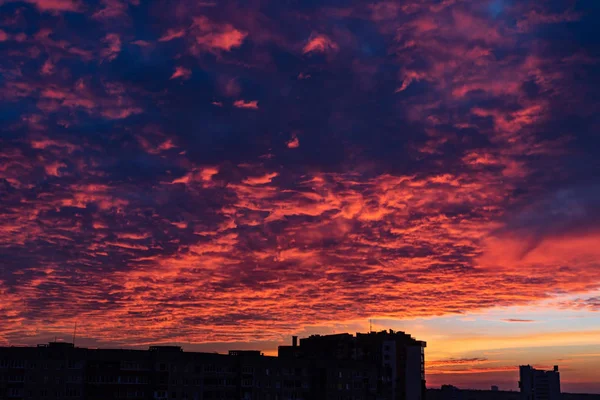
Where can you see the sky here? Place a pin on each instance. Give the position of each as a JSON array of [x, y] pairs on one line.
[[227, 174]]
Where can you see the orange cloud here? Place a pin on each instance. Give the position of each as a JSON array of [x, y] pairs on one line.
[[261, 180], [253, 104], [215, 37], [181, 72], [172, 34], [202, 175], [53, 168], [319, 43], [293, 143]]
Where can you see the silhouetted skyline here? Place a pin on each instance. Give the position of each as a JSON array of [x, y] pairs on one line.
[[228, 173], [384, 365]]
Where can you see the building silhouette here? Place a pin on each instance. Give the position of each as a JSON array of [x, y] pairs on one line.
[[537, 384], [374, 366], [398, 358], [450, 392]]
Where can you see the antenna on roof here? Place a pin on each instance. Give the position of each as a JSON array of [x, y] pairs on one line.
[[370, 325], [74, 333]]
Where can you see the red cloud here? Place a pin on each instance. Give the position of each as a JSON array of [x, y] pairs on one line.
[[56, 5], [246, 104], [215, 37], [319, 43], [47, 68], [114, 9], [538, 17], [113, 103], [172, 34], [113, 46], [293, 143], [203, 176], [53, 168], [261, 180], [181, 72]]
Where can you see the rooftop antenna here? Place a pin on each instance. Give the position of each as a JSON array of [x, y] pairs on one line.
[[370, 325], [74, 334]]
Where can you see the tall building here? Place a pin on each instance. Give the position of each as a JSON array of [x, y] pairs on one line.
[[537, 384], [398, 358]]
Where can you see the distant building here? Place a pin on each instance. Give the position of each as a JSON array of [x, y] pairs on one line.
[[449, 392], [398, 359], [537, 384]]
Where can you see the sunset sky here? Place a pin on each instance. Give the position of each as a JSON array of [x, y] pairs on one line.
[[225, 174]]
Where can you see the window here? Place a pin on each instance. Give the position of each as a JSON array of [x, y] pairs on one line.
[[247, 382], [209, 368], [16, 378], [130, 366], [74, 365], [17, 364], [247, 370], [15, 392]]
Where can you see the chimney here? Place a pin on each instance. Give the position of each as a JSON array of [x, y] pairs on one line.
[[556, 368], [295, 341]]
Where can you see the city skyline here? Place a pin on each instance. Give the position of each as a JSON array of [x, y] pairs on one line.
[[439, 372], [231, 173]]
